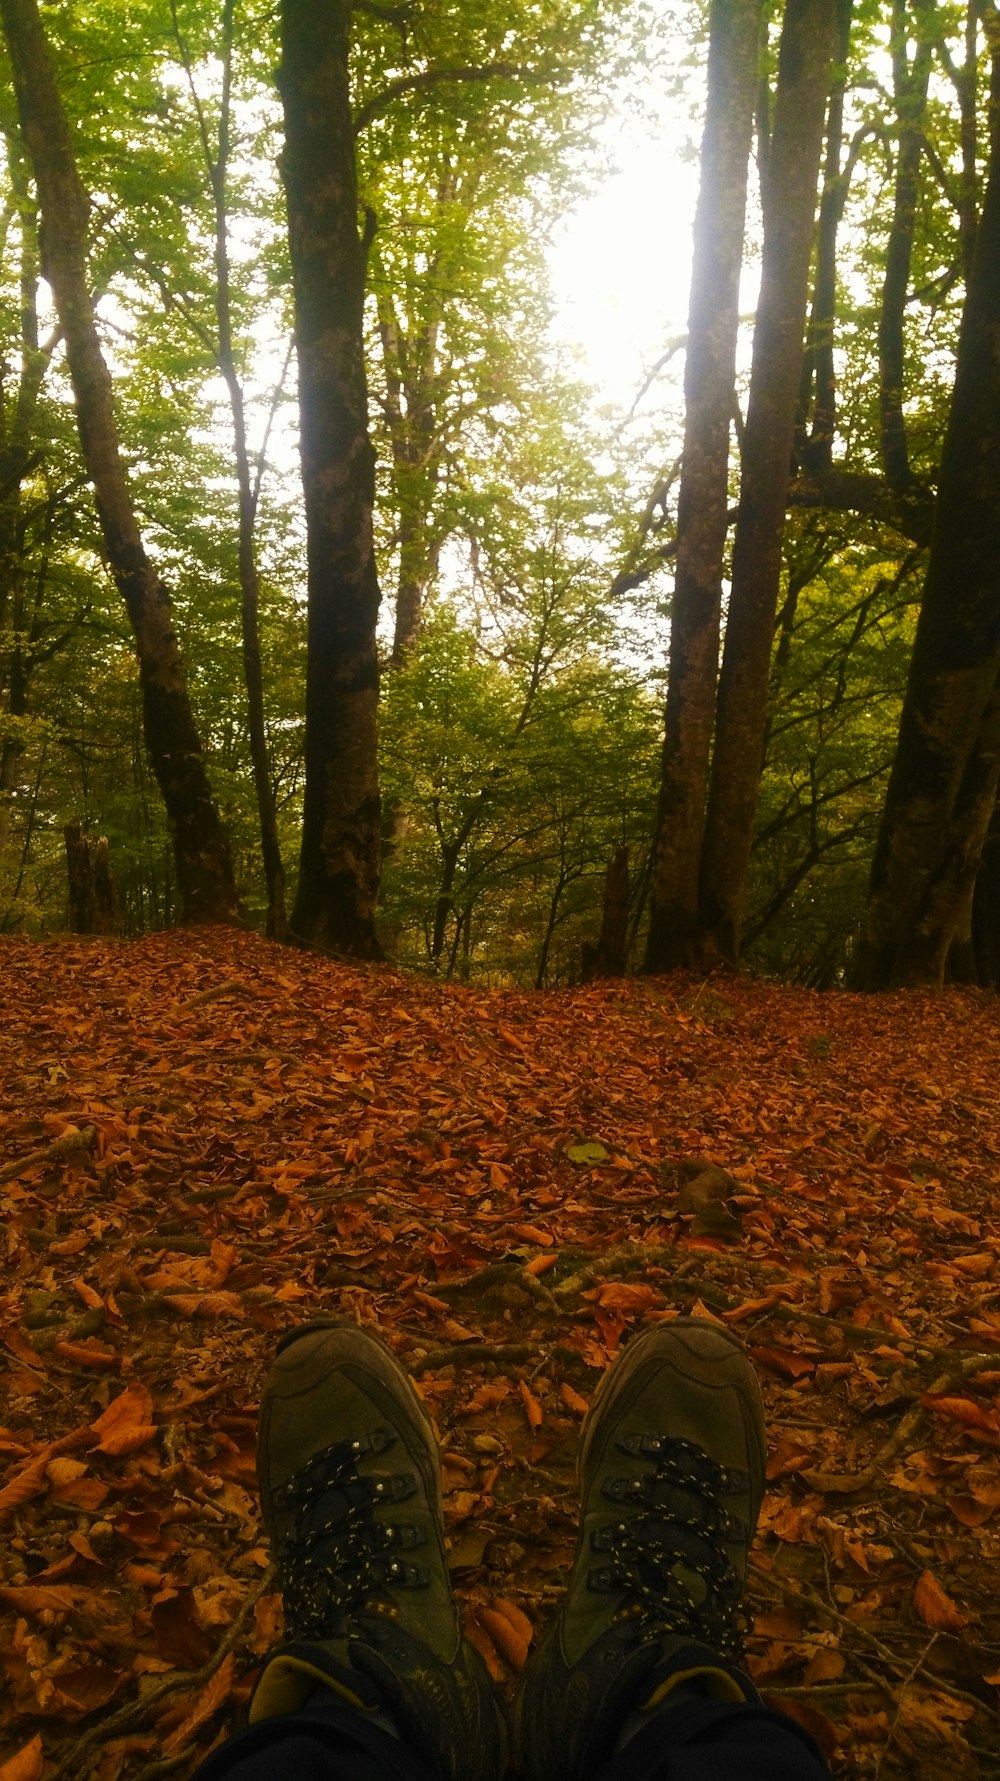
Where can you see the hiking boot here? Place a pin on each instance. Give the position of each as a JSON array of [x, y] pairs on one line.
[[671, 1475], [350, 1491]]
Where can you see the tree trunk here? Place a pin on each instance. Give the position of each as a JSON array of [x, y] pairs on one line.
[[339, 865], [704, 492], [943, 782], [204, 865], [249, 496], [985, 924], [789, 212], [819, 380], [609, 957], [910, 81]]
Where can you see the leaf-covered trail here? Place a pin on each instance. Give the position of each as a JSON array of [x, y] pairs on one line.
[[204, 1139]]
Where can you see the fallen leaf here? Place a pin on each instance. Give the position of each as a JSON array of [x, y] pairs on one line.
[[26, 1764], [935, 1606], [532, 1408], [126, 1424]]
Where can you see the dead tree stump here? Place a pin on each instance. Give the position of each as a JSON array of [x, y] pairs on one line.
[[93, 899]]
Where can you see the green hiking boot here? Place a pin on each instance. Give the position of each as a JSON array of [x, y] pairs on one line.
[[671, 1477], [351, 1497]]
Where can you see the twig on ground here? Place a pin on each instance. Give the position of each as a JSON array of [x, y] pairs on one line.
[[232, 987], [844, 1483], [67, 1145], [135, 1712], [901, 1696]]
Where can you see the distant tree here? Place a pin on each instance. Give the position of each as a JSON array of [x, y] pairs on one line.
[[204, 865]]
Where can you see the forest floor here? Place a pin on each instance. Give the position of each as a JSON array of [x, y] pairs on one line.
[[205, 1139]]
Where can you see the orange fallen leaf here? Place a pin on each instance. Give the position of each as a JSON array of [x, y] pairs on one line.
[[540, 1264], [26, 1764], [429, 1302], [480, 1639], [571, 1400], [532, 1408], [532, 1233], [964, 1410], [617, 1295], [213, 1696], [88, 1354], [91, 1299], [508, 1638], [784, 1361], [126, 1424], [935, 1606]]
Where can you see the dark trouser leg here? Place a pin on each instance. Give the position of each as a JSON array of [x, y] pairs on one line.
[[325, 1741], [717, 1741]]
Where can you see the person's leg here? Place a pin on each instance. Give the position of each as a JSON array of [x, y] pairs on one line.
[[374, 1681], [639, 1677]]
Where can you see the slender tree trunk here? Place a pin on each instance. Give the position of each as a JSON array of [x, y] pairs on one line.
[[985, 921], [339, 865], [943, 782], [610, 955], [910, 81], [248, 487], [819, 372], [789, 212], [674, 935], [204, 865]]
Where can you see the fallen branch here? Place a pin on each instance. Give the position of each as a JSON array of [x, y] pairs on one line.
[[77, 1138], [232, 987], [629, 1255], [844, 1483], [503, 1274]]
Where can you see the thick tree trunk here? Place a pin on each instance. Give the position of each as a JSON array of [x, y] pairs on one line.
[[339, 866], [674, 937], [910, 82], [943, 781], [789, 212], [204, 866]]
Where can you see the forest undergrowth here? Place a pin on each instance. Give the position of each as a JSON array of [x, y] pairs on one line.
[[205, 1139]]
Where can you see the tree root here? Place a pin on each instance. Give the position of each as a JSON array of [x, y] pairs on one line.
[[136, 1713], [845, 1483]]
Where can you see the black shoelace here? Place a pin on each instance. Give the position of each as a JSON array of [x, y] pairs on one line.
[[334, 1561], [680, 1535]]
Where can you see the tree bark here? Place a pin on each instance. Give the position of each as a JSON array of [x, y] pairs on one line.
[[339, 864], [248, 487], [93, 899], [674, 935], [943, 783], [608, 958], [985, 922], [819, 373], [789, 212], [910, 82], [204, 865]]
